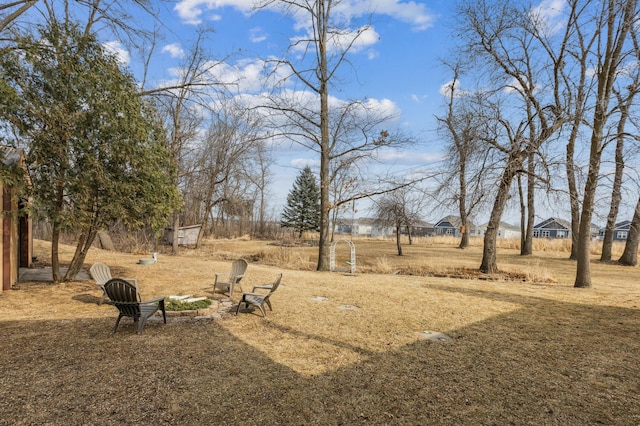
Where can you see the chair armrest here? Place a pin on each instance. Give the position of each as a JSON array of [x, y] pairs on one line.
[[154, 300], [220, 274], [254, 294], [264, 287]]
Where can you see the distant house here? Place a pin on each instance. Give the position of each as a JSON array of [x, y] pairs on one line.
[[552, 228], [620, 231], [421, 228], [364, 227], [344, 226], [505, 230], [16, 243], [451, 225]]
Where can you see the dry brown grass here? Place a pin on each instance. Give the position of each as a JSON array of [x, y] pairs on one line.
[[521, 352]]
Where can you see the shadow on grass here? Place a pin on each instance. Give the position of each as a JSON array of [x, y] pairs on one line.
[[87, 298]]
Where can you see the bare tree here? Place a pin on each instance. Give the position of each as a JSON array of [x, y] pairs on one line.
[[579, 90], [395, 209], [344, 183], [260, 175], [617, 21], [502, 37], [468, 160], [623, 108], [349, 129], [220, 163]]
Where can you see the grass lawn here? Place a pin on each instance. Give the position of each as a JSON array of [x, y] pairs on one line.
[[535, 352]]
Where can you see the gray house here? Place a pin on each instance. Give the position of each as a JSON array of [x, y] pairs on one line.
[[420, 228], [620, 231], [552, 228], [451, 225]]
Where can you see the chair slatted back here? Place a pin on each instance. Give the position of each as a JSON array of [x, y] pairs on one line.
[[276, 283], [124, 296], [238, 269], [274, 287], [100, 273]]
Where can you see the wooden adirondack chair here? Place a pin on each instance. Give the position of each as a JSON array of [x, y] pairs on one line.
[[126, 298], [238, 269], [259, 299]]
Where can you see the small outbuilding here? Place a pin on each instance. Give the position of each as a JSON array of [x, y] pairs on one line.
[[187, 235], [505, 230]]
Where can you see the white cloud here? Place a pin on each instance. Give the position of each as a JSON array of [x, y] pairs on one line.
[[174, 49], [411, 12], [407, 157], [549, 15], [116, 49], [384, 107], [248, 75], [256, 35], [514, 86], [192, 11], [445, 89], [359, 39], [628, 69], [549, 9], [414, 13], [301, 163]]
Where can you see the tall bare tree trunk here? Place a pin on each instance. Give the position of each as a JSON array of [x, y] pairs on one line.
[[616, 191], [175, 244], [55, 260], [462, 204], [325, 148], [523, 217], [398, 241], [574, 200], [527, 246], [630, 255], [489, 256], [583, 273]]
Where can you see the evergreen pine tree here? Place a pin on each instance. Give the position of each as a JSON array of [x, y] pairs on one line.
[[302, 211]]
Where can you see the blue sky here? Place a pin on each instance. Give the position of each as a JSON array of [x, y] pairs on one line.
[[397, 65]]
